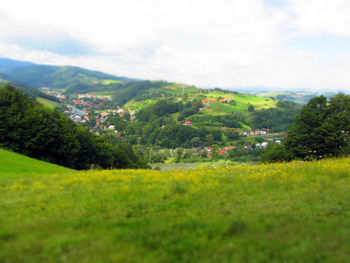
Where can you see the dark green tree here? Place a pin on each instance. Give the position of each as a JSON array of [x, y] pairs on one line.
[[209, 140], [251, 108], [320, 129]]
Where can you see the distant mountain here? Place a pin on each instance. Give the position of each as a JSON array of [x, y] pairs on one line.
[[300, 97], [3, 78], [56, 77], [7, 64]]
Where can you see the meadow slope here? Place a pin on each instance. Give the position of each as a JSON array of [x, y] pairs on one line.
[[294, 212], [14, 165]]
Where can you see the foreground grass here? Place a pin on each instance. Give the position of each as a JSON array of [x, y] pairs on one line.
[[296, 212]]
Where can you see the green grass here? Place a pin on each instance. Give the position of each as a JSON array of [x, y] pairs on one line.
[[295, 212], [138, 105], [47, 103], [110, 81], [14, 165]]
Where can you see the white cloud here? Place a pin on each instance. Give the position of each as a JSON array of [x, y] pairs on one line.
[[228, 43], [322, 16]]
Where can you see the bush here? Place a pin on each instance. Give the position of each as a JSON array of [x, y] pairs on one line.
[[276, 153]]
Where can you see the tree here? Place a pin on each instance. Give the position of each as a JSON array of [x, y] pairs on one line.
[[204, 153], [195, 141], [320, 130], [215, 152], [178, 154], [251, 108], [232, 135], [209, 140], [276, 153], [259, 139]]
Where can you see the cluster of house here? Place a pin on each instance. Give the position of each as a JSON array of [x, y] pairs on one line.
[[207, 102], [209, 150], [263, 131], [227, 149], [79, 109], [53, 93], [228, 99], [89, 100], [77, 115], [81, 116], [94, 97]]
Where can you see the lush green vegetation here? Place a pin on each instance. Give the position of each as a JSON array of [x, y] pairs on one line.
[[28, 127], [276, 119], [162, 123], [321, 130], [162, 109], [295, 212]]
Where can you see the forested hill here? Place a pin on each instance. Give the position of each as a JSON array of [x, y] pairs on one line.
[[56, 77]]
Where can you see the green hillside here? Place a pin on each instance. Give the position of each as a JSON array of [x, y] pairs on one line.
[[56, 77], [294, 212], [14, 165], [48, 103], [233, 101]]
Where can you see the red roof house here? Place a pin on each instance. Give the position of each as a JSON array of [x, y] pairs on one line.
[[229, 148]]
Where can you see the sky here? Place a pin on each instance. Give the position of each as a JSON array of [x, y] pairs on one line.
[[278, 44]]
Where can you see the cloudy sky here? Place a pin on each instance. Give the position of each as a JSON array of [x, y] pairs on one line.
[[289, 44]]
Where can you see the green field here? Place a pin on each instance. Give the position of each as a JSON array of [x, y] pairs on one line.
[[14, 165], [294, 212], [47, 103], [110, 81]]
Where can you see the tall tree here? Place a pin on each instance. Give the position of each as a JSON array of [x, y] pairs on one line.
[[319, 130]]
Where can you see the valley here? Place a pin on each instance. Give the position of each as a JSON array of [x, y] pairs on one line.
[[174, 131]]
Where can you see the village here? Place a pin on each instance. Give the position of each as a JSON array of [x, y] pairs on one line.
[[96, 111]]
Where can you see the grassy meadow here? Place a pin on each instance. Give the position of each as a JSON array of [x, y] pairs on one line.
[[294, 212], [47, 103], [15, 166]]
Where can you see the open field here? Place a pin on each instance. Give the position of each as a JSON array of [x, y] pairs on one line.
[[110, 81], [14, 165], [295, 212], [138, 105], [48, 103]]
